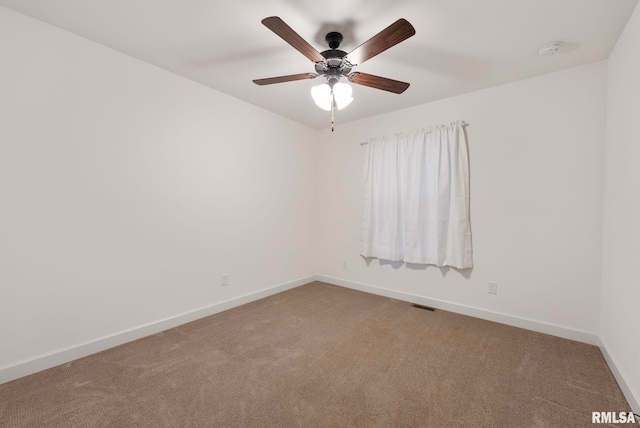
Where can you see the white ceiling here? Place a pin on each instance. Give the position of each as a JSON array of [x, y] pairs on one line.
[[460, 45]]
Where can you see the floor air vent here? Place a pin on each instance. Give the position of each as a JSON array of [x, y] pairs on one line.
[[428, 308]]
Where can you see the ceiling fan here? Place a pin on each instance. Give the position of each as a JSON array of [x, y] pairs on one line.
[[334, 63]]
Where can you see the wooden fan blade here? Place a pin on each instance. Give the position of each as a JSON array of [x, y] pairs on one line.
[[287, 34], [282, 79], [395, 86], [385, 39]]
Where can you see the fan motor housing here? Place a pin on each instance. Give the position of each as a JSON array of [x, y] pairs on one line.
[[333, 54], [334, 63]]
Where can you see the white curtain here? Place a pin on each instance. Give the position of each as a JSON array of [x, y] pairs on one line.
[[416, 198]]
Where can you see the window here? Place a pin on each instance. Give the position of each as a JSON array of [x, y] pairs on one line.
[[416, 198]]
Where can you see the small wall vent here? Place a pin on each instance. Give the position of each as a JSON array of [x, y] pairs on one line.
[[426, 308]]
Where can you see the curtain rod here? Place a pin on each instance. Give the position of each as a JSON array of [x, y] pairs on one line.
[[428, 129]]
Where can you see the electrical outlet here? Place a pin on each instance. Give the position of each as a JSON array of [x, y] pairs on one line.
[[493, 287], [344, 264], [225, 279]]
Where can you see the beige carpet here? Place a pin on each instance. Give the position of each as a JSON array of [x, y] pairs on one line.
[[324, 356]]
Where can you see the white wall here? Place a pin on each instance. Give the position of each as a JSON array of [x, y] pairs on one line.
[[536, 151], [620, 299], [126, 191]]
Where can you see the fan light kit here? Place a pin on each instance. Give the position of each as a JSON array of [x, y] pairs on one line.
[[327, 97], [335, 64]]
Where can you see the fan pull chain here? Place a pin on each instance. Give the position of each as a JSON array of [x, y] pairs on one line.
[[333, 103]]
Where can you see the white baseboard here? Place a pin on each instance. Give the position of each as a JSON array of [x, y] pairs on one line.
[[539, 326], [61, 356], [623, 381]]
